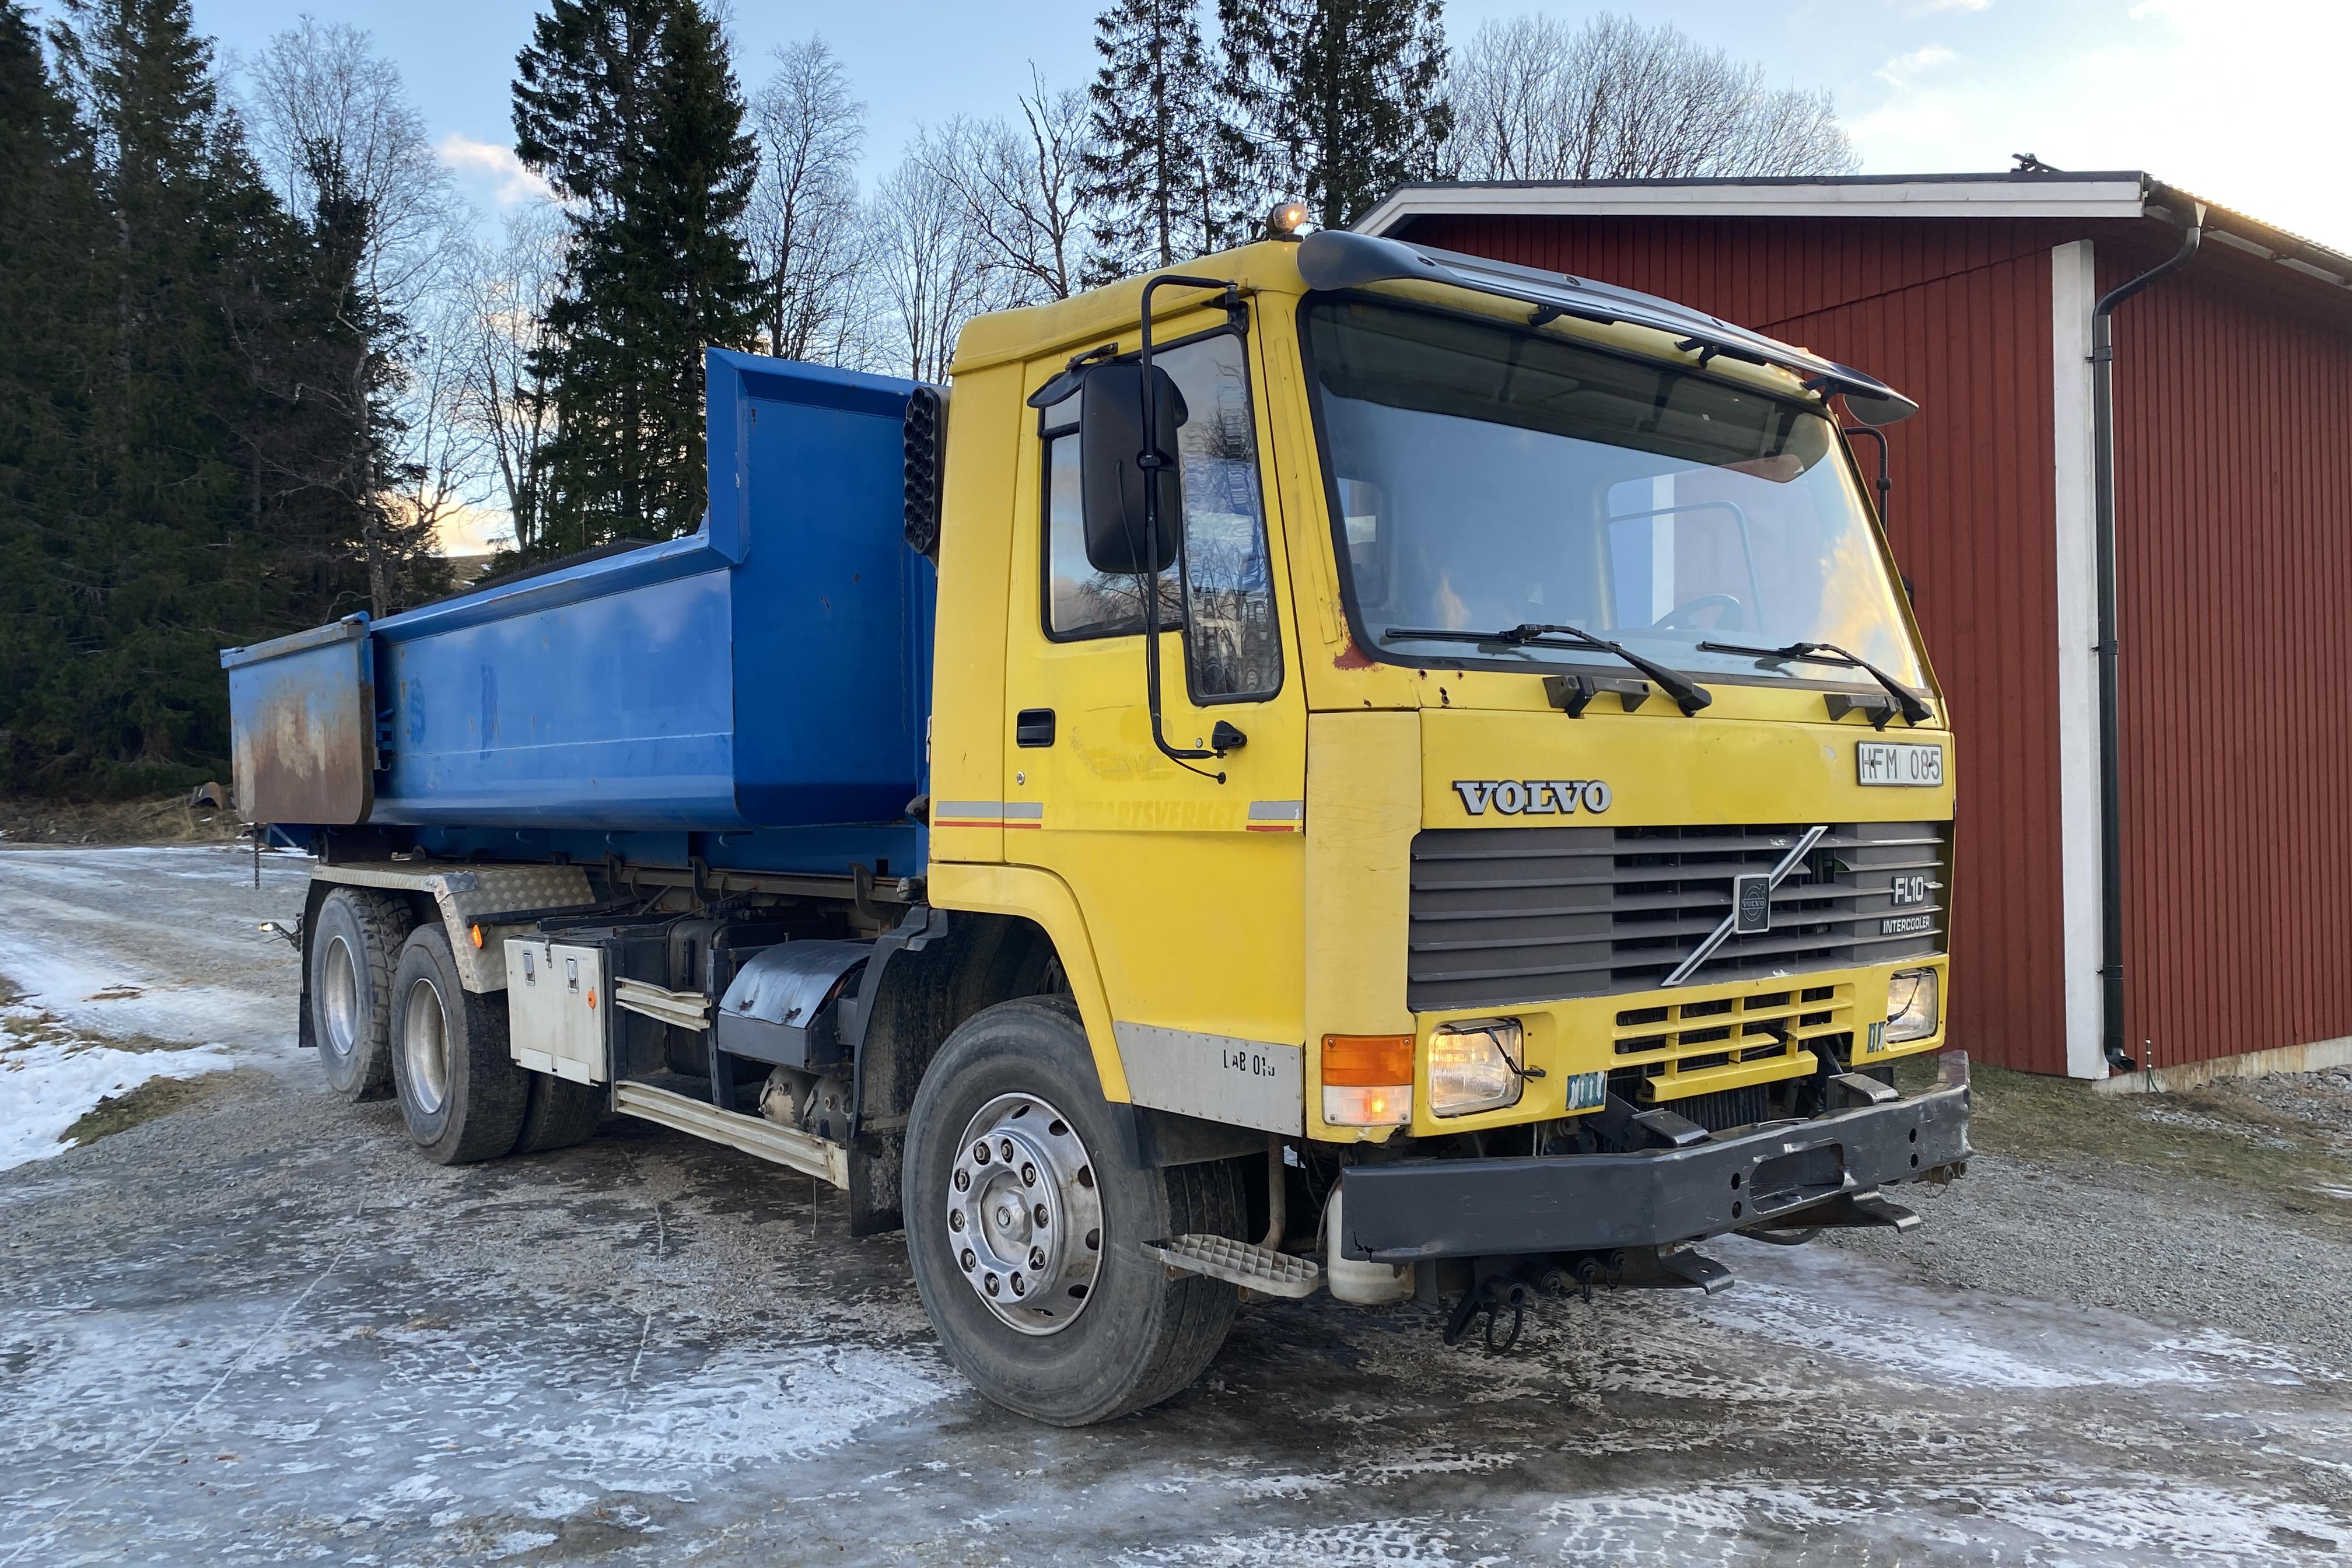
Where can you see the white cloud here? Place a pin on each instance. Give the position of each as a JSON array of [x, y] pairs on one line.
[[474, 531], [2231, 99], [1958, 5], [488, 160], [1904, 69]]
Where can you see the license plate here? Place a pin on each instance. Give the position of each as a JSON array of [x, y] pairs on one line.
[[1887, 762]]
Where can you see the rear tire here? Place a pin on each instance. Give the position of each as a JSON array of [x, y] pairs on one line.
[[558, 1114], [354, 947], [1139, 1335], [459, 1089]]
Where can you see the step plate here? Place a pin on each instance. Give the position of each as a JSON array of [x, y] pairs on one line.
[[752, 1134], [1239, 1263]]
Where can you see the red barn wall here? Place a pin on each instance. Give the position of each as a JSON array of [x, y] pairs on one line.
[[2234, 506], [1956, 314]]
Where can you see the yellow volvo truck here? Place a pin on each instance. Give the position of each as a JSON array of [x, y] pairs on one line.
[[1425, 783]]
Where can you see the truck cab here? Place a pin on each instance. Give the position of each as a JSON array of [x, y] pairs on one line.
[[1430, 785]]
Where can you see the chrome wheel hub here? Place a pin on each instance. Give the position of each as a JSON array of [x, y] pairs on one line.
[[425, 1042], [340, 996], [1024, 1216]]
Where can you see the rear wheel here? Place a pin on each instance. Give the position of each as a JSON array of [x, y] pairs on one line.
[[558, 1113], [355, 946], [459, 1089], [1025, 1220]]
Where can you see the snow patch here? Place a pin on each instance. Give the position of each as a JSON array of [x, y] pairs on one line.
[[47, 1086]]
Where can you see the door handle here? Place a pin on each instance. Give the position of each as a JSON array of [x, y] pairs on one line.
[[1034, 727]]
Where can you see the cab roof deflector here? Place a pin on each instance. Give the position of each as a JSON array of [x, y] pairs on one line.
[[1337, 258]]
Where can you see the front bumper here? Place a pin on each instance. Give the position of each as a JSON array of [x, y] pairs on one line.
[[1418, 1209]]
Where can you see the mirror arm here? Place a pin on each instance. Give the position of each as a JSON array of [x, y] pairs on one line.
[[1151, 462]]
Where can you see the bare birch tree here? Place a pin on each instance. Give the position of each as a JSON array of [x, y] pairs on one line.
[[335, 132], [501, 399], [1535, 98], [803, 226], [931, 272], [1023, 187]]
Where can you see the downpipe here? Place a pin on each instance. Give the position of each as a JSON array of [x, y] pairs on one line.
[[2103, 461]]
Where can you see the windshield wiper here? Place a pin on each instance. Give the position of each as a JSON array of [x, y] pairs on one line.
[[1688, 694], [1914, 706]]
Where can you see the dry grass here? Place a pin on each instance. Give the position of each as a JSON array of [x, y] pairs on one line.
[[2215, 1132], [168, 819], [156, 1097]]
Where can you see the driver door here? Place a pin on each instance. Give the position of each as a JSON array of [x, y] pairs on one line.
[[1190, 887]]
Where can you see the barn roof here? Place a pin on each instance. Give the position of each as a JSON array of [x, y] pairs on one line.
[[2126, 194]]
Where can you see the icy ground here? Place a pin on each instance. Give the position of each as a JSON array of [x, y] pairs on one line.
[[156, 950], [260, 1329]]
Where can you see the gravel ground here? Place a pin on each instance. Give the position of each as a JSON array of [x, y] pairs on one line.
[[260, 1329]]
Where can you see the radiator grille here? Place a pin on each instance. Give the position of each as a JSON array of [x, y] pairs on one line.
[[1681, 1049], [1536, 914]]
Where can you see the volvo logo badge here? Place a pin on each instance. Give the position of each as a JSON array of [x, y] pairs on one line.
[[1532, 797]]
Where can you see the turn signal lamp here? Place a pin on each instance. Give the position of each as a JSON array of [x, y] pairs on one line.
[[1367, 1080], [475, 933], [1474, 1065], [1912, 1011]]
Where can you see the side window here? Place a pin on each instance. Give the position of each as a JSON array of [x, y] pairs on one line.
[[1081, 602], [1229, 631], [1221, 590]]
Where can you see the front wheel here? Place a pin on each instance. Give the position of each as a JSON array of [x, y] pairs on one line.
[[1026, 1223]]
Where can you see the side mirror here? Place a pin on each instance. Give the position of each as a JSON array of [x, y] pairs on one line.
[[1111, 440]]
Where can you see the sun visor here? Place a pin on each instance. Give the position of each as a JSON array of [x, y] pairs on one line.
[[1338, 258]]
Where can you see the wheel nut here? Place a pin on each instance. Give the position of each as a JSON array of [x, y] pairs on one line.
[[1036, 1257], [1005, 1216], [980, 1152], [1005, 1147], [964, 1181], [989, 1284], [1039, 1214], [1028, 1174], [1020, 1286], [969, 1262], [955, 1219]]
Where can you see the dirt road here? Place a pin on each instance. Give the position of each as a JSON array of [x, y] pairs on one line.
[[260, 1329]]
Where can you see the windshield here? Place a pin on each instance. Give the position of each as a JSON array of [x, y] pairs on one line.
[[1487, 476]]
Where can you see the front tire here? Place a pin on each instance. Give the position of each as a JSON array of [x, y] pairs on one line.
[[459, 1089], [355, 946], [1114, 1332]]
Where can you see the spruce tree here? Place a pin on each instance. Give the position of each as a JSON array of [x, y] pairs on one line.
[[49, 234], [1334, 103], [631, 110], [185, 524], [1153, 172]]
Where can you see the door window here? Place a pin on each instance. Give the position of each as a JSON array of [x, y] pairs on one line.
[[1221, 589]]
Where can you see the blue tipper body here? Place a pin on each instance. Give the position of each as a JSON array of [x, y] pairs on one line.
[[754, 694]]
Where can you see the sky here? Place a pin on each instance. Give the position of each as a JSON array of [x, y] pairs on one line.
[[2237, 101]]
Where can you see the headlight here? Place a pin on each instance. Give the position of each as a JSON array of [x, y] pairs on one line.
[[1474, 1065], [1911, 1010]]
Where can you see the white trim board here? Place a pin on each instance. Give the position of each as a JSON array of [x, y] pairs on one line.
[[2072, 292], [1925, 198]]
